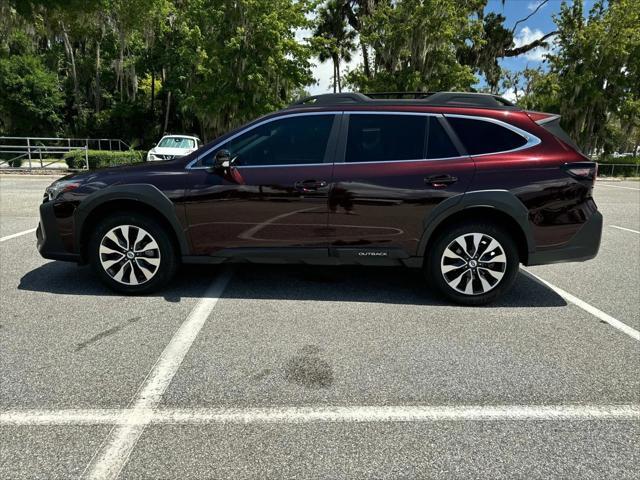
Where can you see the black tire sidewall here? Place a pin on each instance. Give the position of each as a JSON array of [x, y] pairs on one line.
[[434, 274], [168, 259]]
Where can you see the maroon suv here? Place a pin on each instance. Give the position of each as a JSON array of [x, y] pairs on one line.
[[465, 186]]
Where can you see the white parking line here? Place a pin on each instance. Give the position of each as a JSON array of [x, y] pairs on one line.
[[19, 234], [115, 451], [615, 323], [599, 184], [625, 229], [325, 414]]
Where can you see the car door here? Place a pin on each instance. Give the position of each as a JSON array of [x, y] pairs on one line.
[[273, 197], [391, 171]]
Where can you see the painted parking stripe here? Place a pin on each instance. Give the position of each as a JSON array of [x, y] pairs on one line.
[[325, 414], [599, 184], [115, 451], [625, 229], [615, 323], [19, 234]]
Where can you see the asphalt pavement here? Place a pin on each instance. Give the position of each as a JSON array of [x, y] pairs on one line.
[[264, 371]]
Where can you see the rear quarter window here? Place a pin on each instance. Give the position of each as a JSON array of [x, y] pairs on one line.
[[481, 137]]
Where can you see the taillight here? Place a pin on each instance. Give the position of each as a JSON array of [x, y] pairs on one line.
[[582, 170]]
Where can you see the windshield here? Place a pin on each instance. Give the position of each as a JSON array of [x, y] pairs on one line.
[[176, 142]]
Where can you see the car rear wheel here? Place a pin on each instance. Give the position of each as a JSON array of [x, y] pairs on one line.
[[132, 254], [473, 263]]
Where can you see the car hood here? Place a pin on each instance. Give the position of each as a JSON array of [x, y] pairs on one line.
[[103, 177], [171, 151]]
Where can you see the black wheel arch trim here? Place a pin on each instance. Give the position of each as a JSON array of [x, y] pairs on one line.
[[501, 200], [144, 193]]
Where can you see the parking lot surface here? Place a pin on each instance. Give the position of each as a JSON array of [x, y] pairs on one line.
[[258, 371]]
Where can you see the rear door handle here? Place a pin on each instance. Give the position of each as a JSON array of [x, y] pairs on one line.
[[309, 185], [438, 181]]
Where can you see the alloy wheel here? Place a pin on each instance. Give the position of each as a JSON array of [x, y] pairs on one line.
[[473, 263], [129, 254]]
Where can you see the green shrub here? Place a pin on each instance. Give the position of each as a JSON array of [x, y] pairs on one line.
[[5, 160], [103, 158], [619, 160], [619, 167]]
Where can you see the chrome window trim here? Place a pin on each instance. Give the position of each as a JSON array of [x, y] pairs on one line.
[[259, 124], [390, 112], [283, 165], [531, 140], [404, 161]]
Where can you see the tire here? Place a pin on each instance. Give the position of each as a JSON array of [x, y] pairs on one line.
[[144, 268], [457, 263]]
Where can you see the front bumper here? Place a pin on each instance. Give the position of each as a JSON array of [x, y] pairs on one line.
[[583, 246], [50, 244]]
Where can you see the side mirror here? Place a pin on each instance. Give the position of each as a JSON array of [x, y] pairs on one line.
[[221, 161]]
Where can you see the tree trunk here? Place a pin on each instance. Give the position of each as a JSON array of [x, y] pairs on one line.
[[166, 114], [134, 82], [365, 60], [72, 59], [120, 72], [163, 106], [153, 94], [335, 78], [338, 74], [98, 89]]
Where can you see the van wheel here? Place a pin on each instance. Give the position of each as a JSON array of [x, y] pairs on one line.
[[132, 254], [473, 263]]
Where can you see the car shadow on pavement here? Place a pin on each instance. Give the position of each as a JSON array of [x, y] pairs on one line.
[[69, 279], [391, 285]]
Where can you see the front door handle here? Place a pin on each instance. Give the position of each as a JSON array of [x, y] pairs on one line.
[[439, 181], [309, 185]]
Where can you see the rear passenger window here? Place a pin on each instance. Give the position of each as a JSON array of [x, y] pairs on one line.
[[439, 145], [480, 137], [383, 138]]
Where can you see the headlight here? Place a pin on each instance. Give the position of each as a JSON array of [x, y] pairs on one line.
[[57, 188]]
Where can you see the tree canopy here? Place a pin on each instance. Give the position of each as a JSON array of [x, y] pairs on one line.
[[134, 69]]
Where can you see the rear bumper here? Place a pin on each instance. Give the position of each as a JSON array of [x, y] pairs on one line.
[[50, 243], [583, 246]]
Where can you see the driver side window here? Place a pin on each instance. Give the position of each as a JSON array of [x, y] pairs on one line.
[[295, 140]]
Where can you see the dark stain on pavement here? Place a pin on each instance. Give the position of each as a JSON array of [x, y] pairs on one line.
[[308, 370], [262, 374], [106, 333]]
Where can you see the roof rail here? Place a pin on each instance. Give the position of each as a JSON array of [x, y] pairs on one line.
[[414, 95], [332, 98], [457, 99]]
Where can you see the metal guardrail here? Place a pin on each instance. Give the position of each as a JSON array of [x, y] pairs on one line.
[[621, 169], [32, 151], [38, 151]]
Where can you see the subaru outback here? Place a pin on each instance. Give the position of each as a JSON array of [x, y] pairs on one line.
[[464, 186]]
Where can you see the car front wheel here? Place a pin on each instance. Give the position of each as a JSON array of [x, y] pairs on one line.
[[473, 263], [132, 254]]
